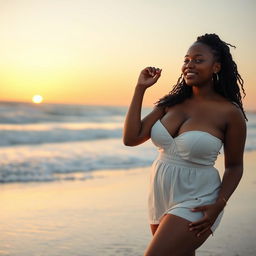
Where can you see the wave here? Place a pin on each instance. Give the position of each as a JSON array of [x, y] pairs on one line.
[[51, 162], [20, 135], [25, 113], [53, 142]]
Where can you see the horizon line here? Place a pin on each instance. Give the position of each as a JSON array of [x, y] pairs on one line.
[[84, 104]]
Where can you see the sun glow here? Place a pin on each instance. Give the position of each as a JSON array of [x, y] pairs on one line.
[[37, 99]]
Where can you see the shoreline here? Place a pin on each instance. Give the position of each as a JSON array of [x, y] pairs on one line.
[[107, 215]]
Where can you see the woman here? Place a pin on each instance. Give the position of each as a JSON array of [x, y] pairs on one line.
[[189, 126]]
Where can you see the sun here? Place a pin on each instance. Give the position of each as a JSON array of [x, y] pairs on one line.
[[37, 99]]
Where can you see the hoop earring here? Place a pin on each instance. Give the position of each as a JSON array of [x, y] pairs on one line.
[[217, 77]]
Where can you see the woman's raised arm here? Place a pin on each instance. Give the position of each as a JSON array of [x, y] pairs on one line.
[[137, 131]]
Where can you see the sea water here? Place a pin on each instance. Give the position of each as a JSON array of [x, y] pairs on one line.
[[104, 216], [49, 142]]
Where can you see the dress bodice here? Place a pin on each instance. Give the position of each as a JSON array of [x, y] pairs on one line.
[[192, 146]]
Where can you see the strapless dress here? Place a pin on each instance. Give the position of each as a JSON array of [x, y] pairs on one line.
[[183, 176]]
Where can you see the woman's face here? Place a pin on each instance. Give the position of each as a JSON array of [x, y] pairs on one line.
[[199, 65]]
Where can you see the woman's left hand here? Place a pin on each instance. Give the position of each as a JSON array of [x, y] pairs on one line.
[[211, 212]]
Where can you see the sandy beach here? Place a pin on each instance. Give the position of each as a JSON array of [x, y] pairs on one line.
[[107, 215]]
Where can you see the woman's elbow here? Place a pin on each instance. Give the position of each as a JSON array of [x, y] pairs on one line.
[[134, 140], [128, 142]]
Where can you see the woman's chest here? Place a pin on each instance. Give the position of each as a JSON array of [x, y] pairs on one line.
[[206, 119]]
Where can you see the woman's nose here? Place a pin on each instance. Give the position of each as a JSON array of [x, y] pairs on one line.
[[190, 63]]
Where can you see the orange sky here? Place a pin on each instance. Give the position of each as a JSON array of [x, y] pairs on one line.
[[91, 52]]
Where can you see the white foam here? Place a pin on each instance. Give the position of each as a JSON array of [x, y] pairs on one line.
[[49, 162]]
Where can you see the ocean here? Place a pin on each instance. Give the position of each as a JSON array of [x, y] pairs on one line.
[[52, 142]]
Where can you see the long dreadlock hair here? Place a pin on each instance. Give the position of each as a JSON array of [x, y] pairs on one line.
[[229, 82]]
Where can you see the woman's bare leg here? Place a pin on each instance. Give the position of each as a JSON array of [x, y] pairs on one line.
[[153, 230], [173, 238]]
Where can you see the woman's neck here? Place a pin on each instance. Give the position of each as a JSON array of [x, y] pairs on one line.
[[203, 92]]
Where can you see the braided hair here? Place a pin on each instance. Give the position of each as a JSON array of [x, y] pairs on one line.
[[229, 82]]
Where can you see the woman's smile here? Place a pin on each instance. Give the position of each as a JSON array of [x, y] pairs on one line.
[[190, 74]]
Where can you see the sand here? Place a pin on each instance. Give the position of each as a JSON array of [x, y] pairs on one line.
[[107, 215]]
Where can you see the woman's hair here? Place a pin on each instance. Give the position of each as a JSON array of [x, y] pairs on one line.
[[228, 84]]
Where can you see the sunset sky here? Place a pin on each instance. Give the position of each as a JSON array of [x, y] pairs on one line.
[[91, 52]]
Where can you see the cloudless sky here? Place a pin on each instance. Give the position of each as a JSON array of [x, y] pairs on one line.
[[91, 52]]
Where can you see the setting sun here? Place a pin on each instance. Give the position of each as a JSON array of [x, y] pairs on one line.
[[37, 99]]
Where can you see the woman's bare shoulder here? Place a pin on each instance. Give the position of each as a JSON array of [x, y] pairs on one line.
[[175, 108], [232, 110], [234, 116]]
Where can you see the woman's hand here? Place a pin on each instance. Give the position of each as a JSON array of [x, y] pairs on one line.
[[211, 212], [148, 77]]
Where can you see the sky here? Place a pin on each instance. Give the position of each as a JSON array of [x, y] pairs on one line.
[[91, 52]]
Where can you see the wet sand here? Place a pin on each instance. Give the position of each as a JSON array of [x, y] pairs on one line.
[[107, 215]]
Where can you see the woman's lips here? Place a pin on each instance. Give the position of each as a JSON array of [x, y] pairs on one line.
[[190, 75]]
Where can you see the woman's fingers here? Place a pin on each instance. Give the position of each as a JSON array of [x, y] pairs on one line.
[[158, 70], [200, 226], [199, 222], [203, 231], [153, 71], [149, 76], [199, 208]]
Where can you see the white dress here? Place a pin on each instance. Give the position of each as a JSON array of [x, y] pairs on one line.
[[183, 175]]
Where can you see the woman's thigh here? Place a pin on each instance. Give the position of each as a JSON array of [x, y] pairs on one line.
[[173, 238]]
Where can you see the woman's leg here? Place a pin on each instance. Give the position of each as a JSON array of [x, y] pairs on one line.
[[153, 230], [173, 238]]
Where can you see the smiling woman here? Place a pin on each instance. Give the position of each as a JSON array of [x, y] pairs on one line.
[[189, 126]]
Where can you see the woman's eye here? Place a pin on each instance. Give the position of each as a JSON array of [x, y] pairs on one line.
[[197, 61]]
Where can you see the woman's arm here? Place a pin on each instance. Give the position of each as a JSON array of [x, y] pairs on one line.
[[136, 131], [235, 136]]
